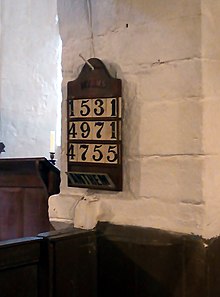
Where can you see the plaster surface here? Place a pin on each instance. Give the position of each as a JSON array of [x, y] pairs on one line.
[[152, 52], [30, 76], [167, 55]]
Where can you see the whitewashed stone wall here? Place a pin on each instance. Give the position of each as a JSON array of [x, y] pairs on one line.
[[30, 76], [211, 115], [167, 55]]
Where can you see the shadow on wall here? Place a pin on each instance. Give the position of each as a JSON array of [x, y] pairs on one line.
[[130, 131]]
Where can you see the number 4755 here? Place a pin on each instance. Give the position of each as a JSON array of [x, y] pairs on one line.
[[93, 153]]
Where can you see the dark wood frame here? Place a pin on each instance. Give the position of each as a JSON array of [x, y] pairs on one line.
[[92, 84]]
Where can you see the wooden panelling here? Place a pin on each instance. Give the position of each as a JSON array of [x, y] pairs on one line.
[[19, 268], [145, 262], [71, 263], [213, 268], [110, 261]]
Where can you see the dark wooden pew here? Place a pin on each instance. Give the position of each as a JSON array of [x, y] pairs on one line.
[[20, 267], [25, 185]]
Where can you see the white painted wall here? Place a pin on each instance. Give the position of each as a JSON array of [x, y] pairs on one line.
[[157, 56], [30, 76], [167, 55], [211, 115]]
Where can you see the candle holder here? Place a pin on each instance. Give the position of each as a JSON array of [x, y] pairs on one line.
[[52, 160], [2, 147]]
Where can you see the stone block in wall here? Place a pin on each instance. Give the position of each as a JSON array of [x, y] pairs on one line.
[[105, 22], [132, 172], [210, 29], [162, 128], [159, 9], [168, 40], [138, 12], [172, 179], [172, 81], [211, 125], [211, 74], [152, 212], [63, 208], [170, 128], [211, 193], [131, 118]]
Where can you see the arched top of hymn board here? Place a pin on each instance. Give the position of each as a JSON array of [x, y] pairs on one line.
[[93, 81]]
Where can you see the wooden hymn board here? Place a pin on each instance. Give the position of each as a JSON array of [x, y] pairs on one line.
[[94, 151]]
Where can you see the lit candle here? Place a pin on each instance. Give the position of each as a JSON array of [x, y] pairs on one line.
[[52, 141]]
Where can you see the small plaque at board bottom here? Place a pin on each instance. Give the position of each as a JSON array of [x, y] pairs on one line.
[[88, 179]]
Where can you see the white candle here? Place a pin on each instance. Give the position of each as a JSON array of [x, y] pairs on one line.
[[52, 141]]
